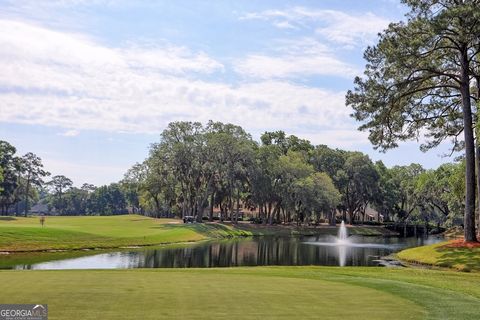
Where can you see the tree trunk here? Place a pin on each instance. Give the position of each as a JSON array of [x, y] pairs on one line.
[[26, 196], [350, 216], [237, 211], [469, 217], [477, 147], [331, 220], [212, 201], [477, 156]]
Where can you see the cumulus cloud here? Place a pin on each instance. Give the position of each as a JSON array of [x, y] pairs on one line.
[[335, 26], [294, 59], [71, 81]]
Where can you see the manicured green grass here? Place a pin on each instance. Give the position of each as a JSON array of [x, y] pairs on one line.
[[440, 255], [280, 230], [26, 234], [247, 293], [87, 232]]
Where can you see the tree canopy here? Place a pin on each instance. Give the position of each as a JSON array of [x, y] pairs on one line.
[[417, 84]]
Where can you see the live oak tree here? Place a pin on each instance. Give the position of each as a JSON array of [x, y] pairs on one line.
[[316, 194], [332, 162], [230, 153], [418, 80], [386, 199], [407, 197], [33, 174], [361, 184], [60, 184]]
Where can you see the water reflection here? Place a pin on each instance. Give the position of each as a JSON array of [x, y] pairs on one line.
[[246, 252]]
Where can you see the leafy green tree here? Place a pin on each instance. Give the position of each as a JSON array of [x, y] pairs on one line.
[[263, 180], [158, 184], [362, 184], [107, 200], [332, 162], [182, 146], [386, 199], [59, 184], [231, 152], [314, 195], [33, 174], [286, 143], [11, 167], [132, 186], [418, 79], [405, 181], [1, 179]]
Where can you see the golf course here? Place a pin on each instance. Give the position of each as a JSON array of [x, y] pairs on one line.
[[19, 234], [272, 292], [254, 293], [240, 160]]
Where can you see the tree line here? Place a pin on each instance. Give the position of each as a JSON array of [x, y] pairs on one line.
[[194, 169], [23, 182]]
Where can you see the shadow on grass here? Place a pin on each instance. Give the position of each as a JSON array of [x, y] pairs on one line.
[[7, 218], [211, 230], [464, 259]]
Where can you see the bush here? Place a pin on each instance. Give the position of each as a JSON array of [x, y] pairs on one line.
[[255, 220]]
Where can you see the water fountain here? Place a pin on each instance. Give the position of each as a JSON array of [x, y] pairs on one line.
[[342, 242], [342, 234], [344, 245]]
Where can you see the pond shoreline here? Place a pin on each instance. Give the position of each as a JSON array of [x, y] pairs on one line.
[[230, 231], [442, 256]]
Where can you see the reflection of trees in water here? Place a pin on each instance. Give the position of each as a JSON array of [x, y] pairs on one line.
[[244, 252], [251, 253]]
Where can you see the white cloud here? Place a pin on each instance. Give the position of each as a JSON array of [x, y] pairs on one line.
[[70, 133], [40, 47], [70, 81], [331, 25], [294, 59], [350, 30]]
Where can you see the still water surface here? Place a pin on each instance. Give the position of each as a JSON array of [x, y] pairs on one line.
[[263, 251]]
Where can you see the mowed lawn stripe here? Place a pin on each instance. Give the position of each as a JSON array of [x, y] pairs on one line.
[[199, 294]]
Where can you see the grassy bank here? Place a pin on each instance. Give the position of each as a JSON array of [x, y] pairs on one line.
[[26, 234], [247, 293], [444, 255], [67, 233]]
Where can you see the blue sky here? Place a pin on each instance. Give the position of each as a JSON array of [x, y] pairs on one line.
[[88, 85]]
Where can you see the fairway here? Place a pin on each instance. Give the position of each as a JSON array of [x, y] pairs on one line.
[[61, 232], [247, 293]]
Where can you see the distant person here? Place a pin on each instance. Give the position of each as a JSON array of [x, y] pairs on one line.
[[42, 220]]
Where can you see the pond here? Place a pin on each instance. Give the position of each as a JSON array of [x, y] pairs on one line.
[[258, 251]]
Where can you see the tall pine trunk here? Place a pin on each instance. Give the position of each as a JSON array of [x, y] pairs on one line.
[[477, 160], [477, 146], [469, 217]]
